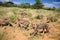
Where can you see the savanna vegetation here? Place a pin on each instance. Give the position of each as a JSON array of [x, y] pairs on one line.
[[29, 22]]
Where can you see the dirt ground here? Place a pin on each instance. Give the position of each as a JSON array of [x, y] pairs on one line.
[[15, 33]]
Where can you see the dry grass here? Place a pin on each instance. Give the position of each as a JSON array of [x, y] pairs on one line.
[[17, 33]]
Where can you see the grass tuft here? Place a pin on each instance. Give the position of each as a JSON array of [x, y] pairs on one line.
[[54, 19], [13, 18]]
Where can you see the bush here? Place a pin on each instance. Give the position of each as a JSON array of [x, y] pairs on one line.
[[38, 5], [47, 8], [37, 17], [54, 19], [13, 18], [24, 5]]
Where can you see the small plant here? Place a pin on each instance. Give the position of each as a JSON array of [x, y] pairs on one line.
[[37, 17], [30, 14], [54, 19], [13, 18]]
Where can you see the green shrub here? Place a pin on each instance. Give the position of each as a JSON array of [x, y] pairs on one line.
[[54, 19], [37, 17], [24, 5], [13, 18]]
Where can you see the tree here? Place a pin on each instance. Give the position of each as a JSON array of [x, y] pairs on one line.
[[1, 3], [38, 4], [8, 4], [53, 8], [25, 5]]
